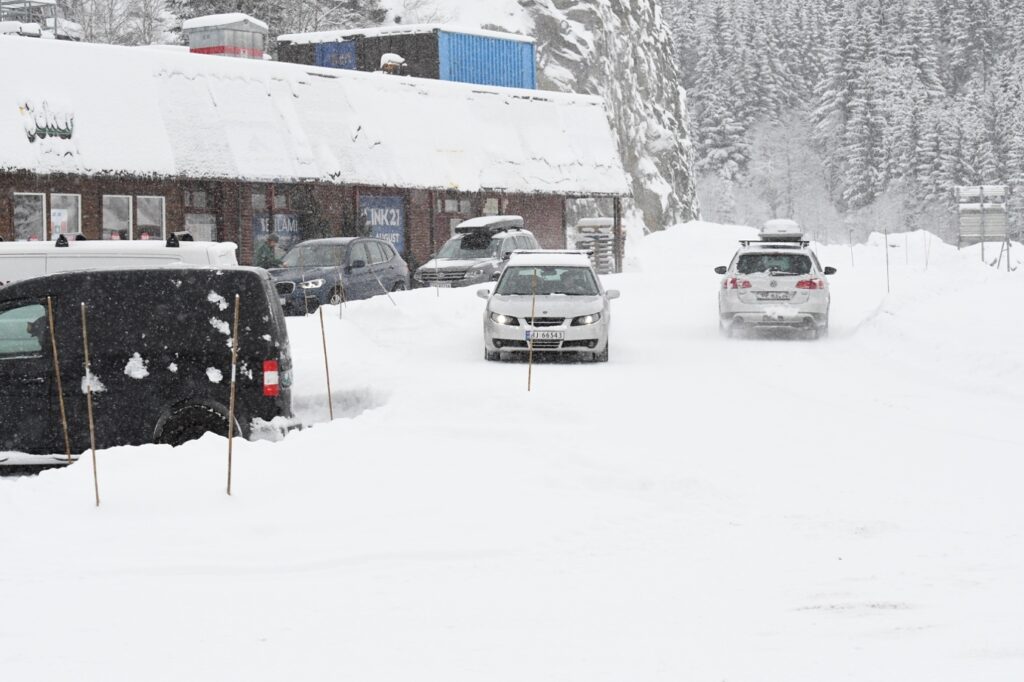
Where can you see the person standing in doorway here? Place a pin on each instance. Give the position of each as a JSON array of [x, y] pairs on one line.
[[266, 253]]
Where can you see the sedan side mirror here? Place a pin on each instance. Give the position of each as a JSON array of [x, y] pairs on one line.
[[356, 264], [721, 269], [483, 293], [830, 270], [506, 255], [612, 294]]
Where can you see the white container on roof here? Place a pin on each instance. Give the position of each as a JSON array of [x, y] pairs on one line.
[[228, 20], [228, 35], [179, 115]]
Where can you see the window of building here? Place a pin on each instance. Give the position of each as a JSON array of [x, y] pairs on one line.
[[491, 206], [196, 199], [280, 199], [259, 202], [117, 216], [65, 214], [150, 218], [29, 216], [202, 226], [455, 205]]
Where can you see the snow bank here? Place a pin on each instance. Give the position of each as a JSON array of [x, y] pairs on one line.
[[846, 509]]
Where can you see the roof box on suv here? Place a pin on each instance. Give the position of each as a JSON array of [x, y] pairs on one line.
[[490, 223], [781, 230]]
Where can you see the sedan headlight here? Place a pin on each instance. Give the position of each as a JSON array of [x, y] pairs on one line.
[[312, 284], [504, 319], [585, 319]]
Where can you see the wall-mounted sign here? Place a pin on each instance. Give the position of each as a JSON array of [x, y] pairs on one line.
[[42, 121], [384, 218]]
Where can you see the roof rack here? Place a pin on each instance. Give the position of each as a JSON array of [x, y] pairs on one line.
[[775, 242], [62, 239], [175, 238]]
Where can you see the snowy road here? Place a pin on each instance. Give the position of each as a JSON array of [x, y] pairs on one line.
[[696, 509]]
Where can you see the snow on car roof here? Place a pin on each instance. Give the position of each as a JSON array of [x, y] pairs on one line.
[[549, 258], [399, 29], [203, 117]]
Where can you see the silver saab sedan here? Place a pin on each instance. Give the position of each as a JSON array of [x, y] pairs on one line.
[[552, 301]]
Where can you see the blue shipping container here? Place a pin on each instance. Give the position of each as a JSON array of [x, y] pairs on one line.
[[486, 61], [340, 55]]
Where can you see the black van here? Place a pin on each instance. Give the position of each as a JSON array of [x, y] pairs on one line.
[[160, 352]]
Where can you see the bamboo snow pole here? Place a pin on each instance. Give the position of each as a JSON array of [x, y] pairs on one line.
[[231, 399], [88, 402], [327, 369], [60, 387], [853, 263], [383, 288], [533, 320], [888, 289]]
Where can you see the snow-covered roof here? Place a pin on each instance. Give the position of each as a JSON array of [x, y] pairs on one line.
[[397, 29], [147, 112], [218, 20]]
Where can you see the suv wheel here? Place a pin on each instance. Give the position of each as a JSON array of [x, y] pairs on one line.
[[190, 422], [399, 286], [337, 297]]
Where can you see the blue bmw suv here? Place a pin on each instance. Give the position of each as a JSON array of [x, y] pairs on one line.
[[328, 271]]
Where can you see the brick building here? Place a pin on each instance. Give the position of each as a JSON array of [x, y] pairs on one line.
[[134, 143]]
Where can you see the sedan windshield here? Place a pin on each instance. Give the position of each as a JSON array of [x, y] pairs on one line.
[[567, 281], [471, 247], [774, 263], [315, 256]]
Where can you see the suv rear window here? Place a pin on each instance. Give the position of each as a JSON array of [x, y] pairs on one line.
[[774, 263]]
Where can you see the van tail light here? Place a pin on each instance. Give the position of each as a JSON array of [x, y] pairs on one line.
[[813, 283], [271, 379], [735, 283]]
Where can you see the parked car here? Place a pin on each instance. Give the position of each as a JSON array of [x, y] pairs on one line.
[[477, 253], [551, 299], [775, 282], [328, 271], [159, 346], [22, 260]]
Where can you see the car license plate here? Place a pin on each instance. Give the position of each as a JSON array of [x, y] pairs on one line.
[[773, 296], [441, 285], [534, 335]]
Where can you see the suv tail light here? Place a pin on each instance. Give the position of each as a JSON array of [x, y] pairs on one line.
[[735, 283], [813, 283], [271, 379]]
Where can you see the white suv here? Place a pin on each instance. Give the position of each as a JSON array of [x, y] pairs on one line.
[[775, 282]]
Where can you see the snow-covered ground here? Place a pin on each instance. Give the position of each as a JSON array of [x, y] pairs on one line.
[[696, 509]]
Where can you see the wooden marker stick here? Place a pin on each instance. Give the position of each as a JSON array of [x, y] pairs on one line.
[[60, 387], [327, 369], [88, 399], [231, 400]]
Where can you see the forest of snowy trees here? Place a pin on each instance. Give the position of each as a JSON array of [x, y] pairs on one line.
[[846, 113]]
